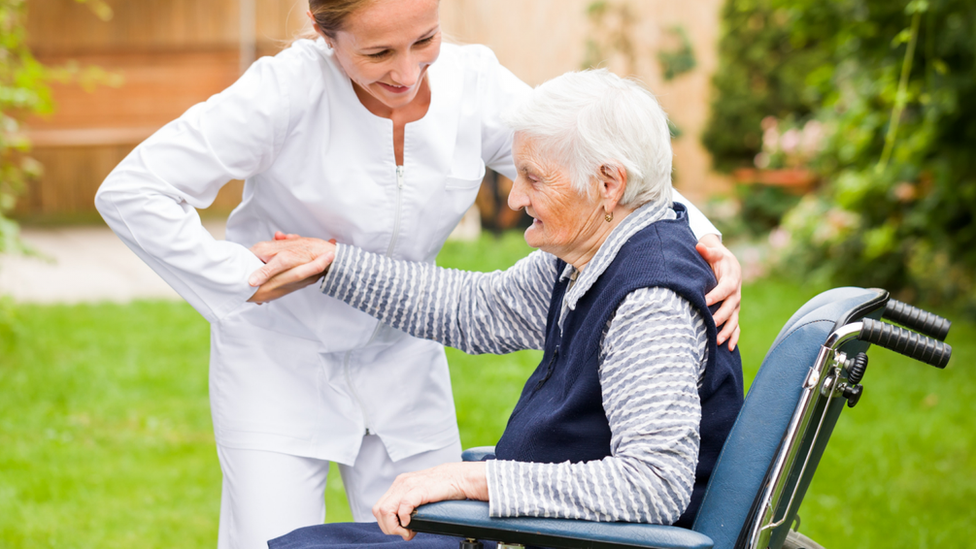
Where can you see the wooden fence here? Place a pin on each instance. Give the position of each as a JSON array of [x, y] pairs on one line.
[[171, 54]]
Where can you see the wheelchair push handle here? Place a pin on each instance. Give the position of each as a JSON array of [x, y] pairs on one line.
[[917, 319], [924, 349]]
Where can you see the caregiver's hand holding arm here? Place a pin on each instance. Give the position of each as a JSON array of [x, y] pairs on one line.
[[728, 291], [291, 263]]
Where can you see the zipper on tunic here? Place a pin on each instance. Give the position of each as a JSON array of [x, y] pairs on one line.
[[389, 252], [352, 388], [396, 212]]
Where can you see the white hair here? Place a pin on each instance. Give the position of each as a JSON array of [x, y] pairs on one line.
[[589, 119]]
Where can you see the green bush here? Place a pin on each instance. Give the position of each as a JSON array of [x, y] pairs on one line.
[[762, 207], [23, 92], [892, 83], [763, 65]]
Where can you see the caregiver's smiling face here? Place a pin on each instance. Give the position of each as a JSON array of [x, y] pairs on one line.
[[386, 47]]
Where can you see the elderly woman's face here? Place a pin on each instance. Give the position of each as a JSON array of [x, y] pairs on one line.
[[386, 47], [565, 223]]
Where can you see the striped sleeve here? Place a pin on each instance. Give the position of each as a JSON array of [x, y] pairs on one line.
[[652, 358], [496, 312]]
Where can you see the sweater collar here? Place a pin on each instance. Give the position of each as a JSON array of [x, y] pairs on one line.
[[636, 221]]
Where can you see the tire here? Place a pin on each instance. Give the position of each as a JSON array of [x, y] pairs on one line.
[[796, 540]]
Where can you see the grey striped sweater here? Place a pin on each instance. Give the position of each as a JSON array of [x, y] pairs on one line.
[[652, 357]]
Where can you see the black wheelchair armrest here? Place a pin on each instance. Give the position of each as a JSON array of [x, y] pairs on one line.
[[469, 519]]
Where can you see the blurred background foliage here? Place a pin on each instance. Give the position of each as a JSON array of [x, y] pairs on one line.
[[24, 91], [884, 88], [613, 35]]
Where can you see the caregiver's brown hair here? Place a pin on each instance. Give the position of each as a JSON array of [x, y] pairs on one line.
[[329, 15]]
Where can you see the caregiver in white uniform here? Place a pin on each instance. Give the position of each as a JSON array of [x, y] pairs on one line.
[[358, 136]]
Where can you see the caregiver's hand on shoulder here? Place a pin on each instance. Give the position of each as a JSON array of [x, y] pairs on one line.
[[411, 490], [291, 263], [728, 272]]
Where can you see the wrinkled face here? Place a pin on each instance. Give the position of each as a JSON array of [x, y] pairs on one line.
[[386, 47], [564, 222]]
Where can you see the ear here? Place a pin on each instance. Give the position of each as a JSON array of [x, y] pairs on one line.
[[612, 184], [318, 29]]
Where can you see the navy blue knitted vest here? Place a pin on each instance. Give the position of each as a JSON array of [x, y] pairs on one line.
[[560, 417]]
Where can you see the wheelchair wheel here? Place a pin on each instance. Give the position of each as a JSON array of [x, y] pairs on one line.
[[796, 540]]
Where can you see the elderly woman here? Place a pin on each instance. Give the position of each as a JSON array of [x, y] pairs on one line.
[[625, 415]]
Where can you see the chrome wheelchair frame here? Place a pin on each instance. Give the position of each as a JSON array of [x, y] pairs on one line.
[[813, 369]]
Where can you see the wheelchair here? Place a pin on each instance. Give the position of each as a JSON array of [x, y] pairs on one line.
[[813, 369]]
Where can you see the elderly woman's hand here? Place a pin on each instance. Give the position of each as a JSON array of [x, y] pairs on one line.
[[411, 490], [291, 263], [729, 289]]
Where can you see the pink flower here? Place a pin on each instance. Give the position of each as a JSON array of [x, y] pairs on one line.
[[790, 141], [813, 134], [762, 160]]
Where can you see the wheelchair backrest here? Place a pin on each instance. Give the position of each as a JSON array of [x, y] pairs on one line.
[[740, 472]]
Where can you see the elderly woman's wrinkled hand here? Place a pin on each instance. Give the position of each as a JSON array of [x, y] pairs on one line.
[[411, 490], [728, 272], [291, 263]]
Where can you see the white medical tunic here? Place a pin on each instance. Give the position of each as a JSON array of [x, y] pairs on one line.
[[307, 374]]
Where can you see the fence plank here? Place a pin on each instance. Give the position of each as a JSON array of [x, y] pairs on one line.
[[172, 55]]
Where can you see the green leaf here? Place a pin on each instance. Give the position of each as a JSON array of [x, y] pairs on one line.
[[917, 6], [902, 37], [880, 241]]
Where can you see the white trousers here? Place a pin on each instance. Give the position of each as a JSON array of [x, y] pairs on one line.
[[267, 494]]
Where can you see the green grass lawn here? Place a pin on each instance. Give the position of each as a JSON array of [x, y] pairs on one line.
[[106, 442]]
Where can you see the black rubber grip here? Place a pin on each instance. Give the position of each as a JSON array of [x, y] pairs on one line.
[[916, 319], [913, 345]]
